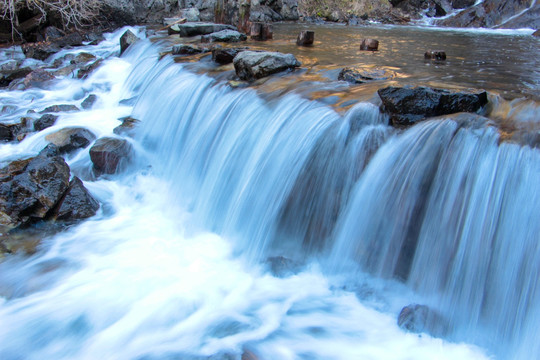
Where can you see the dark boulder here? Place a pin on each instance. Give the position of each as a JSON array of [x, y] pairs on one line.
[[6, 133], [77, 203], [306, 37], [185, 49], [462, 4], [86, 70], [224, 36], [261, 31], [281, 266], [110, 155], [30, 188], [189, 29], [9, 75], [361, 75], [73, 39], [435, 55], [536, 33], [59, 108], [51, 33], [70, 139], [252, 65], [38, 78], [225, 55], [44, 122], [127, 127], [89, 102], [408, 105], [127, 39]]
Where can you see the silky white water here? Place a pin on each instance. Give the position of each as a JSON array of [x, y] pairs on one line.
[[174, 264]]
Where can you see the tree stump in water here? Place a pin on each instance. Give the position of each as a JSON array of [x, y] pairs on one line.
[[435, 55], [306, 37], [261, 31], [369, 45]]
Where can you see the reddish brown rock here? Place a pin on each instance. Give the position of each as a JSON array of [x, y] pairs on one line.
[[369, 45], [261, 31], [110, 155], [306, 37]]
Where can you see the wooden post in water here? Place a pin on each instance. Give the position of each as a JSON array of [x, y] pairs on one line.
[[261, 31], [369, 45], [306, 37]]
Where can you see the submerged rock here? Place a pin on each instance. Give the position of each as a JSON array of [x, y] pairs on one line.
[[408, 105], [252, 65], [360, 75], [110, 155], [60, 108], [435, 55], [281, 266], [71, 138], [89, 101], [86, 70], [77, 203], [420, 318], [38, 78], [30, 188], [127, 127], [185, 49], [224, 36], [369, 45]]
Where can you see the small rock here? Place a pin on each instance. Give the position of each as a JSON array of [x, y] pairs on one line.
[[110, 155], [76, 204], [70, 139], [127, 39], [6, 133], [83, 58], [421, 319], [369, 45], [435, 55], [225, 55], [60, 108], [184, 49], [261, 31], [89, 102], [127, 127], [306, 37], [45, 121], [65, 71], [252, 65], [409, 105], [224, 36], [536, 33], [73, 39], [38, 78]]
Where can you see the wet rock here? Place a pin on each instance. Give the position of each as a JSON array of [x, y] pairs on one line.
[[40, 51], [306, 37], [435, 55], [70, 139], [86, 70], [110, 155], [30, 188], [73, 39], [66, 71], [421, 319], [369, 45], [224, 36], [45, 121], [261, 31], [76, 203], [360, 75], [536, 33], [8, 76], [38, 78], [127, 127], [51, 33], [60, 108], [6, 133], [409, 105], [225, 55], [50, 150], [89, 102], [252, 65], [127, 39], [201, 28], [185, 49]]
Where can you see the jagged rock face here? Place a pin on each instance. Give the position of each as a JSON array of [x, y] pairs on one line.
[[491, 13]]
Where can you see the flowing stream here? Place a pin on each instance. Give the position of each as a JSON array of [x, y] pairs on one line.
[[280, 221]]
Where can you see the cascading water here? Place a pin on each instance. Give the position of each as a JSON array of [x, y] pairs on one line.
[[174, 264]]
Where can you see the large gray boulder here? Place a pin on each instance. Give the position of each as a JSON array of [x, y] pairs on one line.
[[224, 36], [252, 65], [189, 29]]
